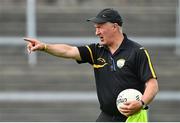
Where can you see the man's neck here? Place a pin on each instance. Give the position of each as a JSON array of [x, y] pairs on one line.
[[116, 43]]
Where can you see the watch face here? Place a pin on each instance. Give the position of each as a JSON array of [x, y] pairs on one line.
[[145, 106]]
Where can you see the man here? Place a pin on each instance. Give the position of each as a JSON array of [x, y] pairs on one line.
[[118, 63]]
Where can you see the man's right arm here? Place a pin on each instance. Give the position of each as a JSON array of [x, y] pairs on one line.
[[63, 50], [59, 50]]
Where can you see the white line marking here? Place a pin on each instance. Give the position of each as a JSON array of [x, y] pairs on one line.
[[81, 96]]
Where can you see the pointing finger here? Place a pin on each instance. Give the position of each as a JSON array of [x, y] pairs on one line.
[[29, 40]]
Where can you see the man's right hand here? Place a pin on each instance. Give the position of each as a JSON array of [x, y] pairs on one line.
[[34, 45]]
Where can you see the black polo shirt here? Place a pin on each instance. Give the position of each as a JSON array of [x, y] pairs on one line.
[[129, 67]]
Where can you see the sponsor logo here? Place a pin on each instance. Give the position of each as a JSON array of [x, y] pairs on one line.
[[101, 63], [101, 60]]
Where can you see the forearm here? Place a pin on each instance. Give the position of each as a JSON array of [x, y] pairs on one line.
[[150, 91], [62, 50], [57, 49]]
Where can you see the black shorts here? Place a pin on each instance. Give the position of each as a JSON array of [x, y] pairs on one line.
[[104, 117]]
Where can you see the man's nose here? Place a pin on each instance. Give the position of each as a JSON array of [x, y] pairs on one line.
[[97, 32]]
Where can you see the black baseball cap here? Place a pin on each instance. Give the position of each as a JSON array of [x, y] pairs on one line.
[[107, 15]]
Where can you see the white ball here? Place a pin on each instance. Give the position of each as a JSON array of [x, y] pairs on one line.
[[128, 95]]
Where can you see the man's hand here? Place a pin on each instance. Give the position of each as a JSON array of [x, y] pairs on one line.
[[34, 45], [131, 107]]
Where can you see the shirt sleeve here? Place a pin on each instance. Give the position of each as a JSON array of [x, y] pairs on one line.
[[144, 66], [87, 54]]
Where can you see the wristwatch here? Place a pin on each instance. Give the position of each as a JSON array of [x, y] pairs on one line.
[[144, 106]]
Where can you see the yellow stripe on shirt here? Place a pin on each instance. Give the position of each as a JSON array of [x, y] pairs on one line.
[[150, 64], [90, 53], [99, 66]]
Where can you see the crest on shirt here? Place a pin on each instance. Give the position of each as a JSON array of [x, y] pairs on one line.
[[120, 63]]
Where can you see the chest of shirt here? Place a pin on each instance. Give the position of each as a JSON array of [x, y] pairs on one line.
[[122, 61]]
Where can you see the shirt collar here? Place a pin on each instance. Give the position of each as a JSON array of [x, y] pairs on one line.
[[124, 44]]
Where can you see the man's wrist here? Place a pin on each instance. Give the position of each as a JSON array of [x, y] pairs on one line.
[[45, 47], [144, 106]]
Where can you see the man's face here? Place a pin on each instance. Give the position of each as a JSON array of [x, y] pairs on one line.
[[105, 31]]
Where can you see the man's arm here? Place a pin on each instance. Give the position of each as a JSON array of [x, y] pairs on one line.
[[150, 92], [63, 50], [59, 50]]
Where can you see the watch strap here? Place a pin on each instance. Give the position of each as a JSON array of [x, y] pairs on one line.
[[144, 106]]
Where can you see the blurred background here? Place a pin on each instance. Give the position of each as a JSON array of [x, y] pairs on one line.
[[40, 87]]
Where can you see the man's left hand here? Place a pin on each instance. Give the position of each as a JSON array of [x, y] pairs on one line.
[[131, 107]]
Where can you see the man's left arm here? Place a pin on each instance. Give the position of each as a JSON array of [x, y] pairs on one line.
[[150, 91], [147, 75], [134, 106]]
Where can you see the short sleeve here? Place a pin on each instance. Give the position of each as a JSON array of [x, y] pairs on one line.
[[144, 66], [87, 53]]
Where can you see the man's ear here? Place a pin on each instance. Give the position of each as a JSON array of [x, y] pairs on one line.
[[115, 25]]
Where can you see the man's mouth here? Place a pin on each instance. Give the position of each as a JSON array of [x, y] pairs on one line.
[[101, 38]]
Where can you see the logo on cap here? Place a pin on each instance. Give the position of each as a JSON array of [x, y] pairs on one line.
[[104, 16]]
